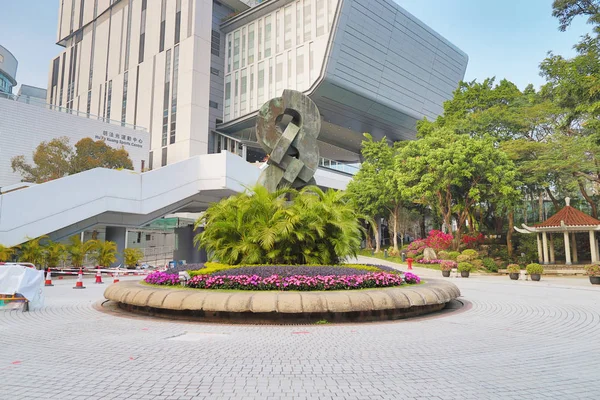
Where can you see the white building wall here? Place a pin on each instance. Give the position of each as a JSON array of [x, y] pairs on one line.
[[24, 126]]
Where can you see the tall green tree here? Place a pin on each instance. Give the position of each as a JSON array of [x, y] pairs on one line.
[[32, 252], [54, 254], [6, 253], [104, 252], [56, 159], [567, 10], [78, 250]]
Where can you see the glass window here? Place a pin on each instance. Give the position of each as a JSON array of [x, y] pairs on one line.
[[320, 6], [243, 91], [215, 43], [307, 20], [251, 88], [330, 11], [260, 42], [236, 50], [235, 96], [174, 95], [109, 100], [124, 103], [167, 87], [213, 104], [229, 53], [300, 68], [299, 25], [271, 86], [227, 97], [278, 74], [289, 69], [311, 68], [267, 36], [260, 86], [277, 32], [243, 47], [177, 21], [163, 14], [251, 43], [287, 26]]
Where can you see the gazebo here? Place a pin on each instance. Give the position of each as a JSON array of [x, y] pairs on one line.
[[567, 221]]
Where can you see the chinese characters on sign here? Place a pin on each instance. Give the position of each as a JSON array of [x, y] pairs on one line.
[[121, 139]]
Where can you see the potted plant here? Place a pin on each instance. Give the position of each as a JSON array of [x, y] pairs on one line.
[[535, 270], [132, 257], [446, 266], [465, 269], [593, 271], [513, 271]]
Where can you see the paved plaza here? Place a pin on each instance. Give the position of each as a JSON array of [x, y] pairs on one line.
[[513, 340]]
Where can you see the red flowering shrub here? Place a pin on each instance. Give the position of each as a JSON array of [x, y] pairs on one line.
[[472, 241], [439, 240], [417, 247]]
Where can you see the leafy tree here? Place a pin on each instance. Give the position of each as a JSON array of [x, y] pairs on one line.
[[309, 226], [78, 250], [56, 159], [453, 173], [132, 256], [6, 253], [32, 252], [104, 253], [54, 253], [567, 10]]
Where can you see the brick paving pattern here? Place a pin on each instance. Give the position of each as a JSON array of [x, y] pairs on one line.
[[518, 340]]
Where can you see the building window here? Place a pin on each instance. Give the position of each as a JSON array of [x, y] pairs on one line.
[[278, 37], [260, 42], [215, 43], [148, 237], [137, 86], [227, 97], [236, 50], [287, 26], [174, 95], [271, 86], [214, 71], [108, 100], [299, 25], [88, 108], [150, 160], [142, 32], [55, 68], [128, 36], [243, 47], [251, 43], [300, 68], [229, 53], [251, 87], [163, 160], [213, 104], [190, 15], [307, 20], [62, 79], [236, 94], [167, 86], [243, 91], [124, 104], [268, 36], [163, 16], [320, 6], [278, 74], [261, 83], [177, 21]]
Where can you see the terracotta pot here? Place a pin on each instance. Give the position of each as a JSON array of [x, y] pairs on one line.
[[536, 277], [464, 274], [595, 280], [446, 274], [514, 276]]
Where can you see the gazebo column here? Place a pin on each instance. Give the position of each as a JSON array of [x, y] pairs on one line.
[[593, 247], [545, 246], [552, 259], [539, 243], [574, 246], [567, 249]]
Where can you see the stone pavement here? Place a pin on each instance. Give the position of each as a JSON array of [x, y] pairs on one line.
[[514, 340]]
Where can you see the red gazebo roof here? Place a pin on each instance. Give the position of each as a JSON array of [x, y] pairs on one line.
[[571, 217]]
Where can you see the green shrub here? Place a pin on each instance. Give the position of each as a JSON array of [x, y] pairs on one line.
[[592, 270], [307, 226], [453, 254], [443, 255], [463, 258], [477, 263], [472, 254], [513, 268], [534, 268], [419, 258], [490, 264], [411, 254], [465, 267]]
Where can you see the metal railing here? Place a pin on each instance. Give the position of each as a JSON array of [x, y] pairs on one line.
[[36, 101], [351, 169]]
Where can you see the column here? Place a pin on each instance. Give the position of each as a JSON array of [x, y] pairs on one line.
[[574, 246], [567, 249], [552, 260], [539, 244], [593, 247], [545, 246], [119, 236]]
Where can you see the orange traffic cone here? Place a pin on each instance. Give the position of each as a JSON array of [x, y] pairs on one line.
[[79, 284], [99, 277], [48, 279], [116, 275]]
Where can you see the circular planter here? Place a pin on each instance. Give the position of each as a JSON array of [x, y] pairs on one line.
[[514, 276], [464, 274], [595, 280], [536, 277], [446, 274]]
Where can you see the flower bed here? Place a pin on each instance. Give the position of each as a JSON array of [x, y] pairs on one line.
[[293, 282], [436, 261], [290, 270]]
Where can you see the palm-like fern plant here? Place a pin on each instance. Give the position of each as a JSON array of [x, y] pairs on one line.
[[54, 253], [6, 253], [284, 227], [104, 252], [78, 250], [32, 252]]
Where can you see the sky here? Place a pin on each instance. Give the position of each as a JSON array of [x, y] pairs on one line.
[[506, 39]]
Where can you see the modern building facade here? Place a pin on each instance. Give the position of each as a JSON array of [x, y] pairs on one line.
[[195, 72], [8, 70]]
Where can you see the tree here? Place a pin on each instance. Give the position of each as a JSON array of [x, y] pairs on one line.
[[567, 10], [287, 226], [78, 250], [54, 253], [453, 172], [32, 252], [6, 253], [132, 256], [104, 253], [56, 159]]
